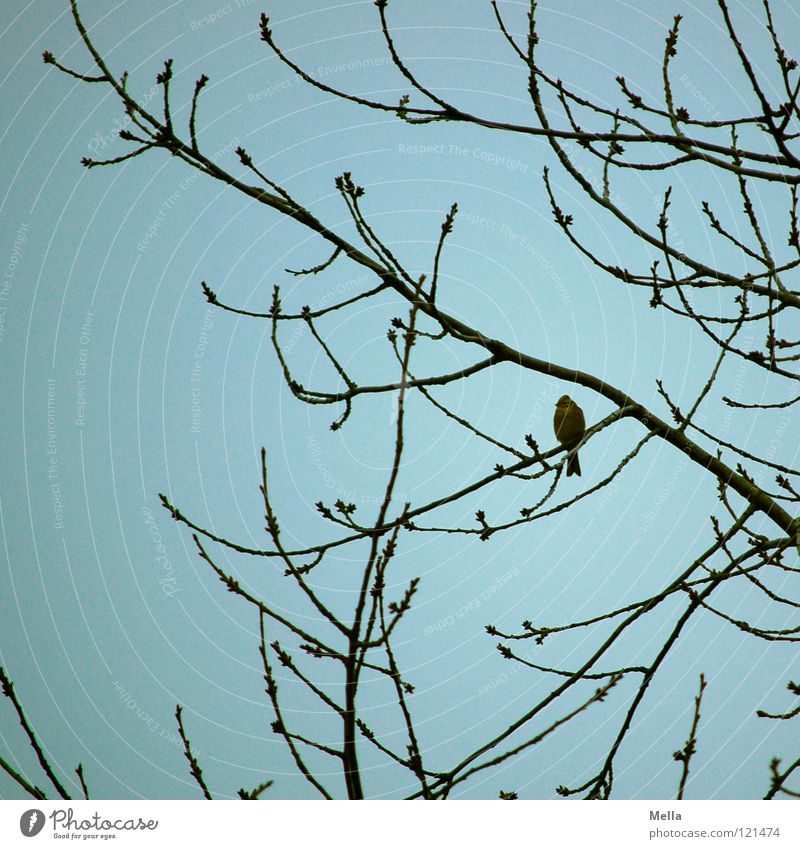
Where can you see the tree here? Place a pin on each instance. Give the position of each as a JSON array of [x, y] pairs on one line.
[[735, 294]]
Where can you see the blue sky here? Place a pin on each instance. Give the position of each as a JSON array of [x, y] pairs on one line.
[[122, 382]]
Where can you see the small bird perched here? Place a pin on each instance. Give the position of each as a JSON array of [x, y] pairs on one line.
[[569, 425]]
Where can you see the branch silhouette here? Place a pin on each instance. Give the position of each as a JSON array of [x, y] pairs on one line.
[[664, 138]]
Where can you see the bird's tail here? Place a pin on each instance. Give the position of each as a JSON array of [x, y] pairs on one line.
[[573, 465]]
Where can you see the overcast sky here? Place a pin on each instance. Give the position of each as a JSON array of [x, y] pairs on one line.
[[121, 382]]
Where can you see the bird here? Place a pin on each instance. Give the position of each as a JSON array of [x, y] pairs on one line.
[[569, 426]]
